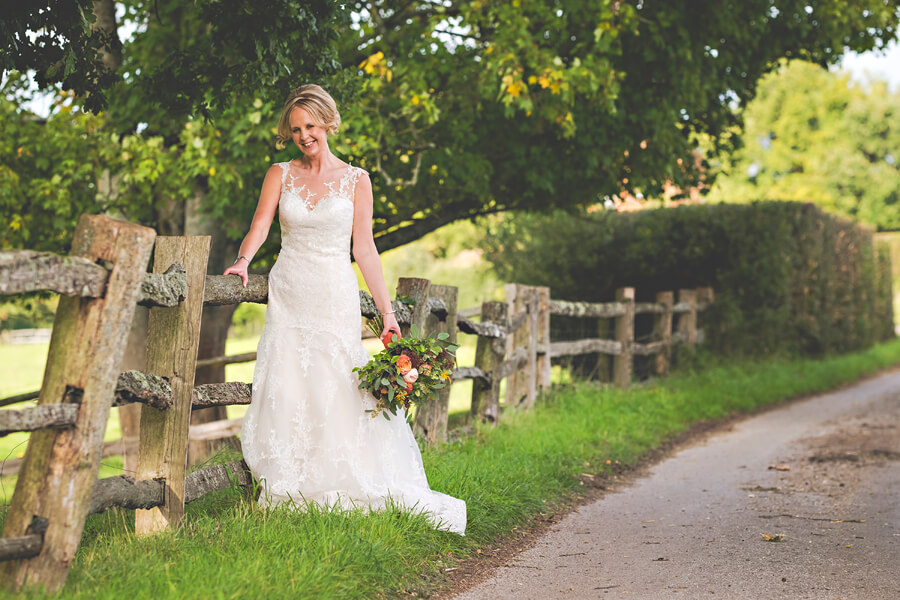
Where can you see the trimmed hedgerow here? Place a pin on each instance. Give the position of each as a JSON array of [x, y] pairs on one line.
[[788, 277]]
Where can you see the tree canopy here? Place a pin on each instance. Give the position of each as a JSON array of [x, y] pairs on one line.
[[456, 107], [472, 106], [811, 135]]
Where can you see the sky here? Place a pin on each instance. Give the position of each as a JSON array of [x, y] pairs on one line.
[[880, 65]]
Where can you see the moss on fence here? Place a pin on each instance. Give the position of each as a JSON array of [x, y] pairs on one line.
[[788, 277]]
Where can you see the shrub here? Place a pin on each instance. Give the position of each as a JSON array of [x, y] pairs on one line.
[[787, 276]]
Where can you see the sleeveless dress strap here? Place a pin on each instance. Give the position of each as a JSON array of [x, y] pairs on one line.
[[285, 167], [350, 178]]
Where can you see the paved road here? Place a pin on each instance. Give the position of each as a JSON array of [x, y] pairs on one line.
[[694, 527]]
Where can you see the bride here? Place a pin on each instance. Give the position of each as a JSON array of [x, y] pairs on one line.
[[307, 437]]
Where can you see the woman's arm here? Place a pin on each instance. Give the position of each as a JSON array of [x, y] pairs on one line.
[[366, 254], [259, 227]]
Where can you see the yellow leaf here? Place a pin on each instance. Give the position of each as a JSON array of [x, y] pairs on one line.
[[212, 171], [514, 89]]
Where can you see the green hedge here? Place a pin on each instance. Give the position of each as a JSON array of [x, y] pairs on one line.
[[787, 277]]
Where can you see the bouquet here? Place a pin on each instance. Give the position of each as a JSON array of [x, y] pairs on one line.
[[408, 371]]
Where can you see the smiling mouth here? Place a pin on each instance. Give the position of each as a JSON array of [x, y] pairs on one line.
[[308, 144]]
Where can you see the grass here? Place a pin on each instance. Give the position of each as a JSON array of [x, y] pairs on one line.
[[529, 464]]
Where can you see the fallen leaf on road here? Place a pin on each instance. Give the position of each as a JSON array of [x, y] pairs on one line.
[[778, 537], [779, 467]]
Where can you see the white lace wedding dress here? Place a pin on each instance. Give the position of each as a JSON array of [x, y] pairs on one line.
[[306, 436]]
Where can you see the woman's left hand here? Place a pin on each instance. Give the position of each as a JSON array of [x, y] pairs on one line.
[[391, 327]]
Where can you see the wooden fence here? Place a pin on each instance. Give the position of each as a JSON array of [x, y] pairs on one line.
[[103, 279]]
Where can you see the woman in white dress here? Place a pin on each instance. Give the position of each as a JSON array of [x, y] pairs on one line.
[[306, 436]]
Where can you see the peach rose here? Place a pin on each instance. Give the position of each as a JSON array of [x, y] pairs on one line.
[[404, 364]]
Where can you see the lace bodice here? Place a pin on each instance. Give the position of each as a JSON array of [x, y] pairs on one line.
[[319, 223]]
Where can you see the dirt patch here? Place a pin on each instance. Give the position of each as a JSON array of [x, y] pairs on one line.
[[835, 463]]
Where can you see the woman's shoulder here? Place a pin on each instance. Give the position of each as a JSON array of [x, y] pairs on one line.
[[357, 172]]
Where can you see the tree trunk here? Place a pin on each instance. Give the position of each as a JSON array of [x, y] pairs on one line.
[[111, 53]]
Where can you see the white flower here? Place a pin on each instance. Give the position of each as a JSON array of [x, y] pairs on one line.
[[411, 376]]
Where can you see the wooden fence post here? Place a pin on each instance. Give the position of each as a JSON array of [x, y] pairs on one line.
[[605, 329], [687, 322], [662, 332], [704, 298], [173, 336], [542, 303], [489, 354], [623, 363], [521, 337], [60, 467], [414, 289], [431, 417]]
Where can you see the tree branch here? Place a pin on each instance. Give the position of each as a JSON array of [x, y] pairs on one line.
[[418, 228]]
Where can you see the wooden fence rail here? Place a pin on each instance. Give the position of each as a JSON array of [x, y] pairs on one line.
[[104, 279]]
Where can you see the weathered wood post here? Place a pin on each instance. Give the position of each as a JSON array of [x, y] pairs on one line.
[[60, 467], [173, 336], [662, 332], [623, 363], [521, 340], [431, 417], [489, 354], [414, 289], [542, 335], [605, 330], [705, 297], [687, 322]]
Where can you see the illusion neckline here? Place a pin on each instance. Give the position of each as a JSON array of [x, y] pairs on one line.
[[298, 192]]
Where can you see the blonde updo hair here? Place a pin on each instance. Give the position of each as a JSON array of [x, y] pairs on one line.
[[314, 100]]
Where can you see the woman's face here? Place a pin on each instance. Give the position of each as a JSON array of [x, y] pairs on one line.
[[309, 137]]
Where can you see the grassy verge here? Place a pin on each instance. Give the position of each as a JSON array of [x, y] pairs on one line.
[[229, 548]]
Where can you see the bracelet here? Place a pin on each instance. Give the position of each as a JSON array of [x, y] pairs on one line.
[[239, 258], [390, 312]]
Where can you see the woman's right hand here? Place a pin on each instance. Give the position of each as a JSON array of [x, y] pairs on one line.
[[239, 269]]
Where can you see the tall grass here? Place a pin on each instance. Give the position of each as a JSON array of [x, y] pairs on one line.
[[229, 548]]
